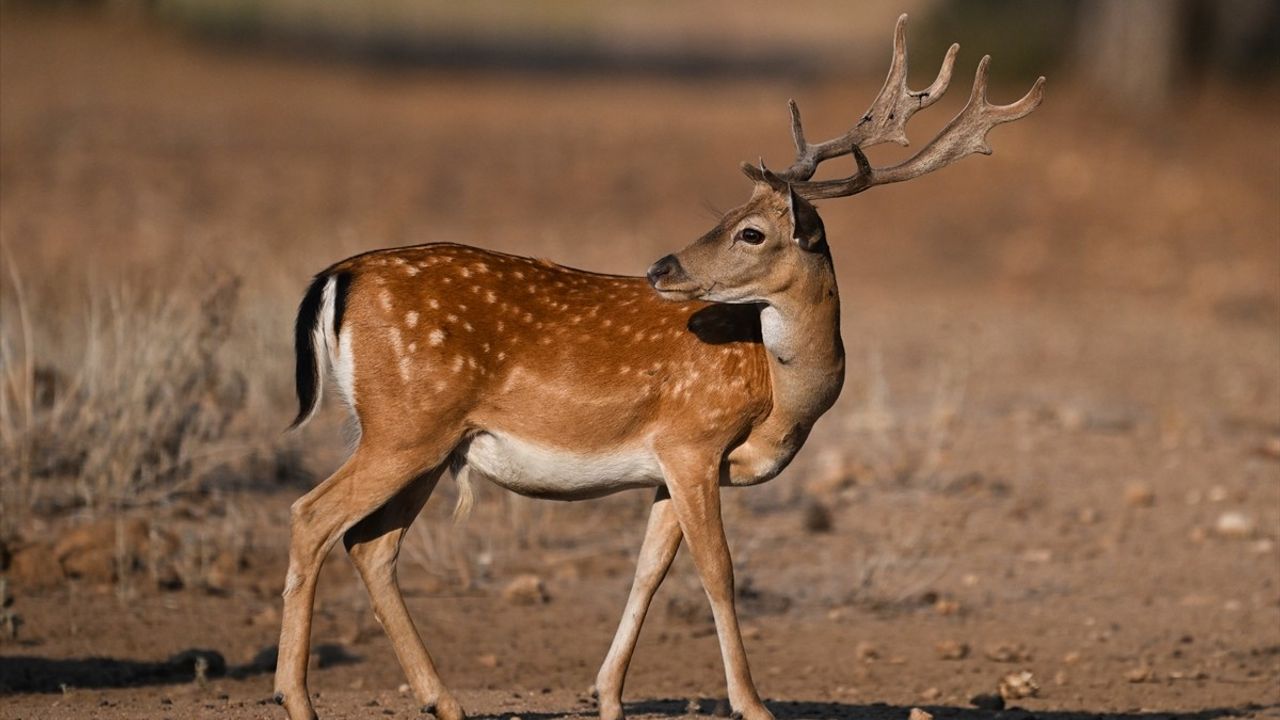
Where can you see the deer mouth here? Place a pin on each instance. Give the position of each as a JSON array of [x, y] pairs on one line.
[[681, 295], [668, 277]]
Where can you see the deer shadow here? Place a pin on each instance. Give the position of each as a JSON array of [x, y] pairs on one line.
[[810, 710], [27, 674]]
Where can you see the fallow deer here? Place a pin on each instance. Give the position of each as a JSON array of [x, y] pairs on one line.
[[559, 383]]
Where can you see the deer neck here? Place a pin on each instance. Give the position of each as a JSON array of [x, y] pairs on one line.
[[805, 356]]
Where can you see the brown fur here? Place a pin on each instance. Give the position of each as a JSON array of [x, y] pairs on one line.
[[485, 335]]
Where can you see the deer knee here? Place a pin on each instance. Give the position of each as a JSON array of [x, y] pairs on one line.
[[292, 582]]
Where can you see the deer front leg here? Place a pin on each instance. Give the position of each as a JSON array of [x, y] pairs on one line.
[[661, 540], [695, 497]]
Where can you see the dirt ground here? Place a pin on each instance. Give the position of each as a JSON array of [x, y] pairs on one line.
[[1058, 450]]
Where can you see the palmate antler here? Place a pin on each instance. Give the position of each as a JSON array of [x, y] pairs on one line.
[[886, 121]]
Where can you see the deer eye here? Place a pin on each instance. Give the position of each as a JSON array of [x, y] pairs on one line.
[[751, 236]]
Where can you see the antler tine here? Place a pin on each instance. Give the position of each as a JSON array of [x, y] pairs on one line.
[[884, 121], [964, 135], [967, 131]]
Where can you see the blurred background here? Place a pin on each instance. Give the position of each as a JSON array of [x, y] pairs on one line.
[[1057, 451]]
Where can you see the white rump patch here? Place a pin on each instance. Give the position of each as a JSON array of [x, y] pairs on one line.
[[344, 368], [336, 348]]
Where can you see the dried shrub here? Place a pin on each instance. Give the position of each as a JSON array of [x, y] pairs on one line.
[[146, 407]]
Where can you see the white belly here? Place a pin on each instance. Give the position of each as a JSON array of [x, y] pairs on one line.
[[541, 471]]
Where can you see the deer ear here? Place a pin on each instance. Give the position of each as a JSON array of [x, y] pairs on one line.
[[807, 228]]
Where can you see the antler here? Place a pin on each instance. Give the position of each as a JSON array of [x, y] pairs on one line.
[[886, 120]]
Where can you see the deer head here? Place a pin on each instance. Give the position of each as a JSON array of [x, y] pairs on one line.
[[765, 247], [754, 253]]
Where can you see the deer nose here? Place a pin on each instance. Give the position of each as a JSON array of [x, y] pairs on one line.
[[664, 268]]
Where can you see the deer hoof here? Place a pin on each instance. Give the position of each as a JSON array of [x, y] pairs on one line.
[[278, 698], [445, 709]]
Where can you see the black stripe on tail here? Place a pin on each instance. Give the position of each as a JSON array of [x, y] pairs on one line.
[[307, 369]]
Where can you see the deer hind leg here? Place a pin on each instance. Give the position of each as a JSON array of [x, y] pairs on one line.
[[695, 498], [374, 545], [661, 541], [368, 480]]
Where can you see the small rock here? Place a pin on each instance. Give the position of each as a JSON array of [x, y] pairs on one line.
[[946, 606], [1263, 546], [1018, 685], [1140, 675], [931, 694], [1007, 653], [403, 689], [488, 660], [866, 651], [987, 701], [1234, 524], [1139, 494], [1038, 555], [99, 550], [1270, 448], [918, 714], [526, 589], [1218, 494], [952, 650]]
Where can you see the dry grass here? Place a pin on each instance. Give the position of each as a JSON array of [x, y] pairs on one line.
[[144, 409]]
